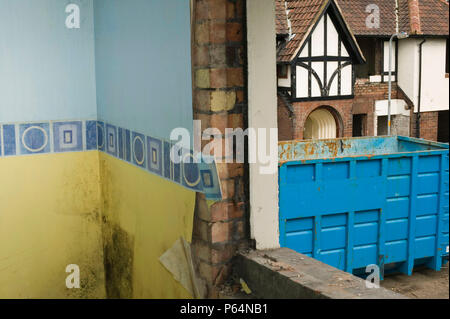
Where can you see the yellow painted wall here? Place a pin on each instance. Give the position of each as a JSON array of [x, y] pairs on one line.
[[144, 215], [50, 217], [114, 220]]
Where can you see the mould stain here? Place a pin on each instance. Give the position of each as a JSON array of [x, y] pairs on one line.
[[118, 251]]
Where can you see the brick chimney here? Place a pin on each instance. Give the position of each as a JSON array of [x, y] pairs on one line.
[[414, 16]]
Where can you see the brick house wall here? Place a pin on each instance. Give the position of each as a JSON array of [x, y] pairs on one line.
[[366, 94], [285, 121], [428, 125], [343, 108], [219, 94]]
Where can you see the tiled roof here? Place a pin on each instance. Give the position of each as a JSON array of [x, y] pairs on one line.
[[432, 16], [302, 14], [355, 13]]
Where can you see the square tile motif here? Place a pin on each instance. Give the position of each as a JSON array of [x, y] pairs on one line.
[[34, 138], [207, 179], [111, 140], [138, 149], [210, 181], [154, 155], [101, 136], [67, 136]]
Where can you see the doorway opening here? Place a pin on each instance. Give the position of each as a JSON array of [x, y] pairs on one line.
[[359, 125], [443, 127]]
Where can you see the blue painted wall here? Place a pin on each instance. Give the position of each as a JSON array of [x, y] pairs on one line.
[[47, 72], [143, 64]]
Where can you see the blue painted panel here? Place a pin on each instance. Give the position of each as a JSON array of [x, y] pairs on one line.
[[301, 174], [367, 169], [396, 251], [398, 186], [427, 204], [428, 183], [367, 216], [364, 255], [365, 234], [333, 238], [333, 257], [397, 229], [300, 241], [399, 166], [397, 208], [296, 225], [385, 206]]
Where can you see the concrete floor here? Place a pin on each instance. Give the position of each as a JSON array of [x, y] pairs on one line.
[[423, 284]]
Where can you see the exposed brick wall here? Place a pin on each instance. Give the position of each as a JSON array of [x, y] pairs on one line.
[[219, 53], [366, 94], [285, 121], [342, 107], [428, 125]]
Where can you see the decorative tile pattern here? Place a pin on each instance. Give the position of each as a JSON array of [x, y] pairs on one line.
[[34, 138], [147, 152], [138, 149], [124, 144], [154, 155], [9, 139], [68, 136], [111, 140], [191, 173], [91, 135], [172, 170], [101, 140]]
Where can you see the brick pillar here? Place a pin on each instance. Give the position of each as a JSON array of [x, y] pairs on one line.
[[219, 54]]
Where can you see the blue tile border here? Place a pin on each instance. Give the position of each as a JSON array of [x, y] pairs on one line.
[[147, 152]]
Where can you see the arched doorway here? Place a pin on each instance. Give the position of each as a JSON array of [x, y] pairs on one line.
[[322, 123]]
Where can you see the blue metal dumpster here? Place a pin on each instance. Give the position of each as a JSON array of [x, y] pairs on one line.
[[356, 202]]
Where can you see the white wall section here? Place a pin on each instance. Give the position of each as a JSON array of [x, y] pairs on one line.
[[262, 113]]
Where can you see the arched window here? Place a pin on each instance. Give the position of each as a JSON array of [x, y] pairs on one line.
[[321, 124]]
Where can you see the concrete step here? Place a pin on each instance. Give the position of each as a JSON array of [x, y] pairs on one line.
[[285, 274]]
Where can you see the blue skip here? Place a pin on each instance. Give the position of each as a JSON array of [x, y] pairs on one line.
[[355, 202]]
